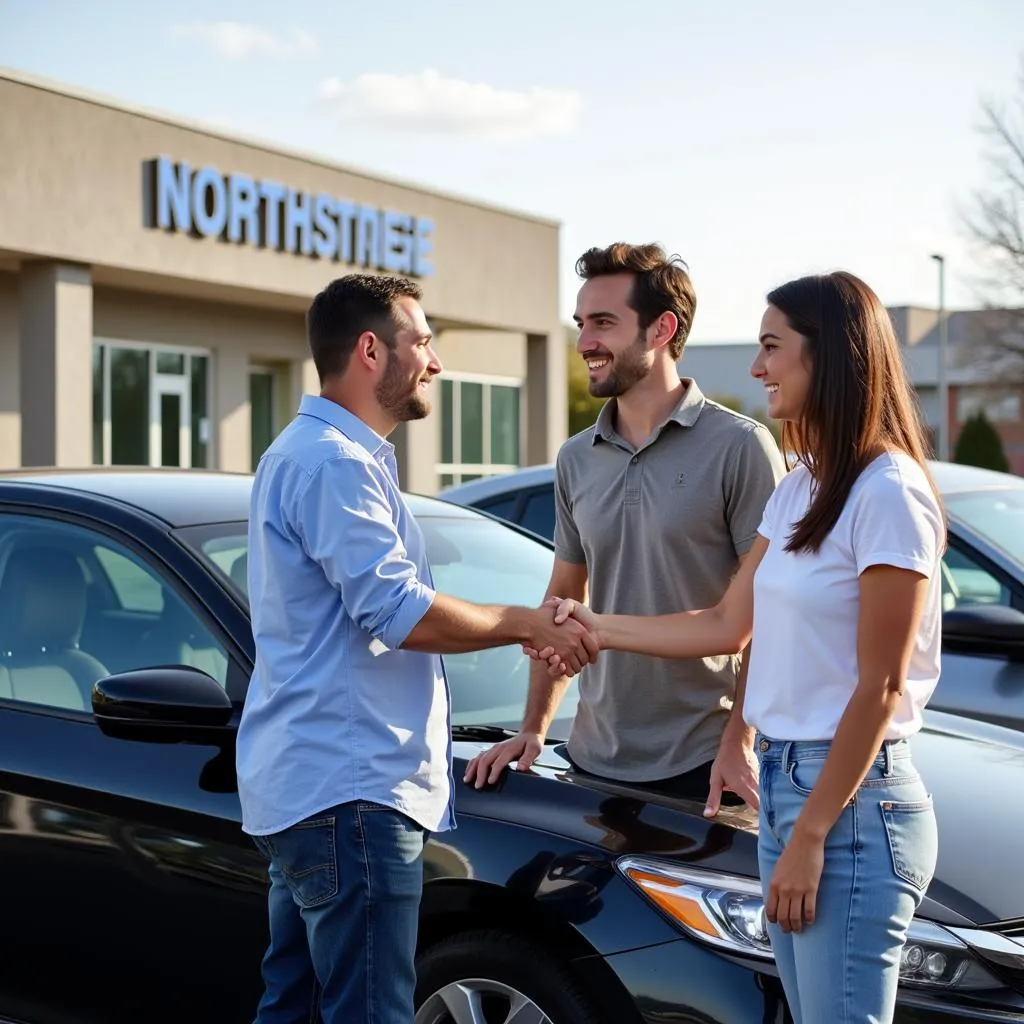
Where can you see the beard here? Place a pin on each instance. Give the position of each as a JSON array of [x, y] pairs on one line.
[[628, 368], [401, 400]]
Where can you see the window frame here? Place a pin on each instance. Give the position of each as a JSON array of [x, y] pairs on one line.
[[239, 669], [154, 349], [457, 469]]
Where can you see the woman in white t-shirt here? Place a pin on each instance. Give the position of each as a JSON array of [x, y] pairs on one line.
[[840, 600]]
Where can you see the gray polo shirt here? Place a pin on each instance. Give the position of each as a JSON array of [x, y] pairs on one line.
[[660, 529]]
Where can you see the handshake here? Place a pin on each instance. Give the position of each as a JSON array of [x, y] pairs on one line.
[[565, 636]]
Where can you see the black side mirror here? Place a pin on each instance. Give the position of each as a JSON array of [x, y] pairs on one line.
[[174, 704], [984, 629]]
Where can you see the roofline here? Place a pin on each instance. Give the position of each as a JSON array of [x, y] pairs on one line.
[[227, 135]]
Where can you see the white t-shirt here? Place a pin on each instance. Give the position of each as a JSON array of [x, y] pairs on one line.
[[804, 665]]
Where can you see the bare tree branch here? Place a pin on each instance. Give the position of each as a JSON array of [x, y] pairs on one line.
[[995, 223]]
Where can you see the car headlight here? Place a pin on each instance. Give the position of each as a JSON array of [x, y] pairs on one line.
[[727, 912]]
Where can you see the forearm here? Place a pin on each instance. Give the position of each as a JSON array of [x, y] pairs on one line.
[[453, 626], [697, 634], [736, 728], [854, 748], [543, 699]]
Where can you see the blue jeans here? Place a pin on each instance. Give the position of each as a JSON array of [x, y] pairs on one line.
[[345, 888], [879, 859]]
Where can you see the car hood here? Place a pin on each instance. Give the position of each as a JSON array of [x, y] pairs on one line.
[[975, 772]]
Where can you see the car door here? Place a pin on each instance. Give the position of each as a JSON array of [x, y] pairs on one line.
[[127, 889], [988, 686]]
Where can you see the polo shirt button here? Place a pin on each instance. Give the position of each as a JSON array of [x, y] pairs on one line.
[[635, 459], [765, 745]]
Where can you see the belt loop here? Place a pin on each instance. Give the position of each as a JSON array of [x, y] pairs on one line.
[[787, 751], [887, 750]]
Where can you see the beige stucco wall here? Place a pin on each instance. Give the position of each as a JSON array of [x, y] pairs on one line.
[[10, 416], [71, 187], [494, 353]]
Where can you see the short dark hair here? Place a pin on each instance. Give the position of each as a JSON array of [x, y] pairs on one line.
[[348, 307], [661, 284]]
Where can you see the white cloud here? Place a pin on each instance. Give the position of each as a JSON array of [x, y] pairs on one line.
[[429, 102], [235, 40]]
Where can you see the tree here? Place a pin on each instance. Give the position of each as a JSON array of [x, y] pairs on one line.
[[583, 407], [979, 445], [995, 224]]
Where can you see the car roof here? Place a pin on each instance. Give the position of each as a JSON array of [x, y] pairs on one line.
[[950, 478], [490, 486], [179, 497]]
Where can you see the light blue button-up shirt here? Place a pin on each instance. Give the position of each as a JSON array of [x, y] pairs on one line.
[[338, 578]]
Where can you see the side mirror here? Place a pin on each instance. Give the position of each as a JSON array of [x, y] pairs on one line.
[[984, 629], [174, 704]]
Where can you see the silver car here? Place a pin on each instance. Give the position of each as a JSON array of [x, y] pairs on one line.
[[982, 577]]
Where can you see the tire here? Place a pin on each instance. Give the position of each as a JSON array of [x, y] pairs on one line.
[[496, 973]]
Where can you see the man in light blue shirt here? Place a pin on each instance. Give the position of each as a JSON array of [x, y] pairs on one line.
[[344, 747]]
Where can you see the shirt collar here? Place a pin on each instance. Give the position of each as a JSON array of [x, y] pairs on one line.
[[348, 423], [686, 413]]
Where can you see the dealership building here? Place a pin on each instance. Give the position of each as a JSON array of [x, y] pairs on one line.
[[154, 278]]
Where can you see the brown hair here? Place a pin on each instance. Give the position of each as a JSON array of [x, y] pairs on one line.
[[860, 400], [348, 307], [661, 284]]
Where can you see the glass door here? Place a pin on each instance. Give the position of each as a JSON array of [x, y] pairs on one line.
[[170, 421]]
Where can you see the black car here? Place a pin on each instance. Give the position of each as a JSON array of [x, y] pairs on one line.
[[128, 891]]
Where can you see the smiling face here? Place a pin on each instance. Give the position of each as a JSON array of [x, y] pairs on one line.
[[611, 340], [411, 365], [782, 365]]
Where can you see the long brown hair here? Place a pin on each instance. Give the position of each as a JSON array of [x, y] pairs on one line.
[[860, 401]]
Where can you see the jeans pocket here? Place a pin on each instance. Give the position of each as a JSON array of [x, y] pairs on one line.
[[306, 856], [913, 839], [803, 774]]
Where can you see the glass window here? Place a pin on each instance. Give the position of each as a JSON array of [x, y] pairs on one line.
[[98, 357], [480, 426], [150, 407], [505, 425], [998, 515], [129, 407], [504, 508], [170, 362], [261, 404], [964, 582], [539, 514], [199, 374], [471, 422], [77, 606]]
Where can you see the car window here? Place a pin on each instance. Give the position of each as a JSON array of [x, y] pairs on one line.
[[76, 606], [539, 515], [503, 508], [965, 582], [996, 514], [477, 559]]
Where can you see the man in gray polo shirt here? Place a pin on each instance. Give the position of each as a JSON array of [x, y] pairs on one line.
[[656, 505]]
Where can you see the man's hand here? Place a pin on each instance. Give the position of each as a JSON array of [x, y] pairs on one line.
[[735, 769], [486, 768], [565, 610], [568, 644]]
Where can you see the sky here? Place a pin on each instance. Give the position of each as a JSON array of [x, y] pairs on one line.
[[758, 140]]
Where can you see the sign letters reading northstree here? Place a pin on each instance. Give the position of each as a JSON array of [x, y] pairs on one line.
[[241, 210]]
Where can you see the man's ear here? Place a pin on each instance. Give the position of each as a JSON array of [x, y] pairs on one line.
[[664, 329], [369, 350]]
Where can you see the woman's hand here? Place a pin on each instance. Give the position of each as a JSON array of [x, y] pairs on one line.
[[793, 890]]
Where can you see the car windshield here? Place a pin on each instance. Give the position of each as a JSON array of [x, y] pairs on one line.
[[996, 514], [479, 560]]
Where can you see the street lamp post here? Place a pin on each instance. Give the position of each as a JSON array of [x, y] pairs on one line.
[[943, 379]]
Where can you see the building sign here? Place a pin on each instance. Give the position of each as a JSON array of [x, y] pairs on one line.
[[238, 209]]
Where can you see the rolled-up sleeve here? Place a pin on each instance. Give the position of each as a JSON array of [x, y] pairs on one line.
[[348, 526]]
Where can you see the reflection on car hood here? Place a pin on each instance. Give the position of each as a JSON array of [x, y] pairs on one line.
[[975, 772]]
